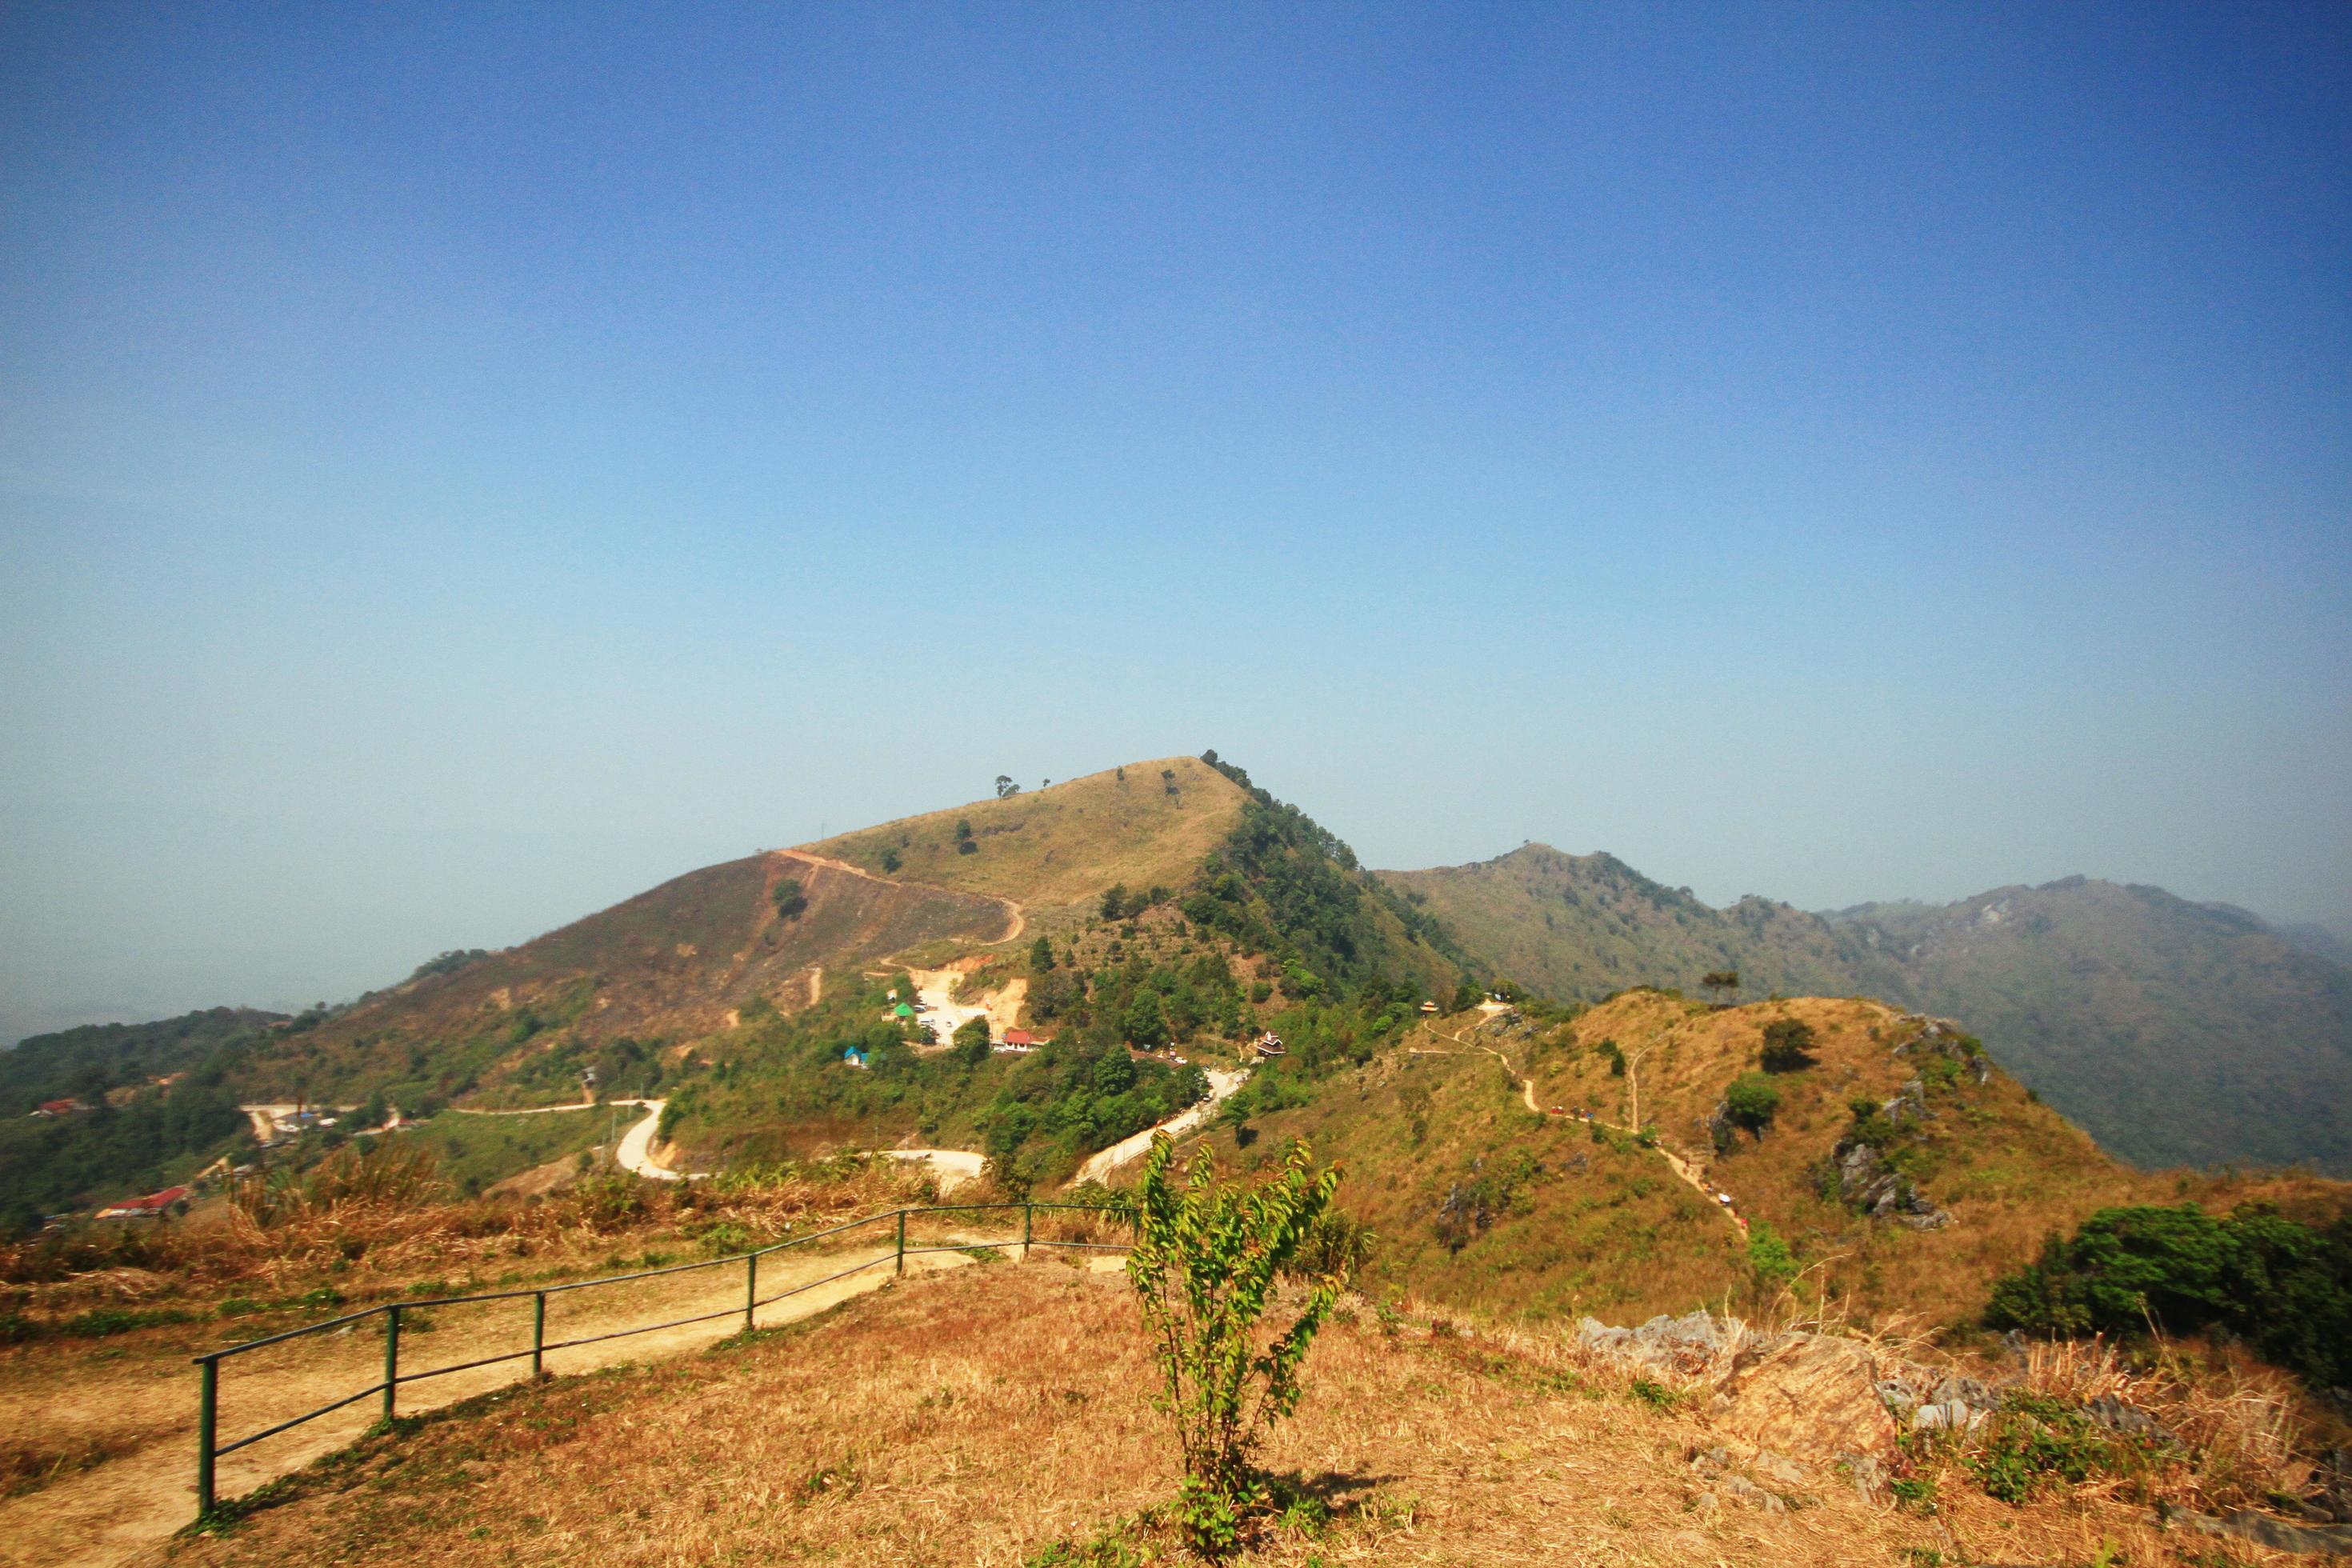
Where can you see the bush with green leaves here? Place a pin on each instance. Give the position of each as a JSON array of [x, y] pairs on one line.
[[1770, 1256], [1751, 1101], [1788, 1045], [2034, 1441], [2284, 1287], [1205, 1264]]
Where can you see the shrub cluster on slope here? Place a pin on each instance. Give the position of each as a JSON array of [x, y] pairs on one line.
[[780, 1086], [2284, 1287]]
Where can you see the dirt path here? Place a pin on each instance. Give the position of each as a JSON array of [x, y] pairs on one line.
[[1100, 1165], [816, 984], [1012, 910], [1681, 1167], [950, 1168], [145, 1399]]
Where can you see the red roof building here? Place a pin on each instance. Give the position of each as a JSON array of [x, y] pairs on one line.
[[152, 1206]]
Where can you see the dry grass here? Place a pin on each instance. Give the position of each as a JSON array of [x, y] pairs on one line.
[[368, 1228], [983, 1415], [1063, 847]]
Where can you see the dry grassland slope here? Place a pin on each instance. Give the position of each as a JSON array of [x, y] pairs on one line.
[[897, 1431], [1144, 824]]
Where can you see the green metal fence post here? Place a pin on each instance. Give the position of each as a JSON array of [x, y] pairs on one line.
[[751, 1287], [208, 1420], [902, 1241], [390, 1356], [537, 1335], [1028, 1213]]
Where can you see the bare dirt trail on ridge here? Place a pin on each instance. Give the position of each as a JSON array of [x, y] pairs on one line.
[[1681, 1167], [1012, 910], [144, 1402]]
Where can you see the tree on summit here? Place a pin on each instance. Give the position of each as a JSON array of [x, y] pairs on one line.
[[1005, 788], [1721, 981]]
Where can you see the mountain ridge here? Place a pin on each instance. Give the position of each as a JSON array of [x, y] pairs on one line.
[[2108, 997]]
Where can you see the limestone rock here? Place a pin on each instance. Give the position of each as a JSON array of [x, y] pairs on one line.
[[1809, 1394]]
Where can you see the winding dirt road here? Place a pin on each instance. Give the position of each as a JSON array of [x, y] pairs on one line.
[[1099, 1165]]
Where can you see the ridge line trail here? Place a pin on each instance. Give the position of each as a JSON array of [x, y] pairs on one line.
[[143, 1405], [1680, 1166], [1012, 909]]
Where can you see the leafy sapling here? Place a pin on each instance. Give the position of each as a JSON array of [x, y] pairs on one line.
[[1205, 1264]]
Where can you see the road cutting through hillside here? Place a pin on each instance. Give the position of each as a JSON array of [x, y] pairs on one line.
[[951, 1168], [1222, 1085], [1013, 909], [636, 1150], [1675, 1162], [141, 1408]]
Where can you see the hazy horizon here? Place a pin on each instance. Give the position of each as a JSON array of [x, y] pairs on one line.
[[462, 469]]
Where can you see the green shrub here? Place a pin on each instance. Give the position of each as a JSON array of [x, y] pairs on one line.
[[1654, 1394], [100, 1323], [2285, 1288], [1788, 1045], [2034, 1439], [1751, 1101], [1769, 1255], [1203, 1264]]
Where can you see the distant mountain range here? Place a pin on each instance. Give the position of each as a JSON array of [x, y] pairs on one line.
[[2175, 1033]]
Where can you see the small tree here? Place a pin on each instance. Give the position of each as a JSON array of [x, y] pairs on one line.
[[1788, 1045], [1146, 1023], [972, 1041], [1720, 982], [1752, 1101], [964, 845], [1203, 1264], [1041, 954], [1005, 788], [791, 901], [1114, 902]]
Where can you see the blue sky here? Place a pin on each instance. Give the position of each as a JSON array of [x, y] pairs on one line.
[[458, 466]]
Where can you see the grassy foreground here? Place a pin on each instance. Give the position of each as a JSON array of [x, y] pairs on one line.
[[998, 1416]]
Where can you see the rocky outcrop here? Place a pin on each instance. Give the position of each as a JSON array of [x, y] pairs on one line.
[[1943, 1037], [1831, 1398], [1866, 1182]]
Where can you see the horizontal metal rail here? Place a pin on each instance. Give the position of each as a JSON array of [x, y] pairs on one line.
[[209, 1448]]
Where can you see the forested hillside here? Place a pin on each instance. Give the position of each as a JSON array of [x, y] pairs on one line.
[[2175, 1033], [151, 1102]]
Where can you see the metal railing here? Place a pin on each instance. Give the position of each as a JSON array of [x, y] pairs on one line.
[[210, 1449]]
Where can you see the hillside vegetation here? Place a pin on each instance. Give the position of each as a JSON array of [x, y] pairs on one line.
[[2175, 1033], [682, 961], [1897, 1167], [155, 1105]]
